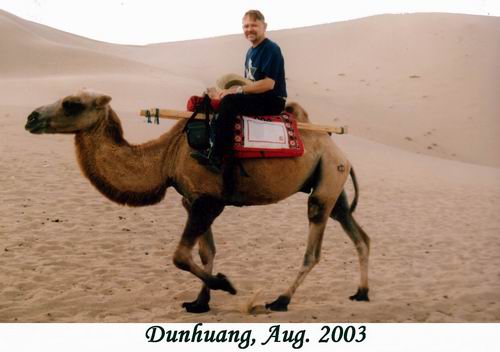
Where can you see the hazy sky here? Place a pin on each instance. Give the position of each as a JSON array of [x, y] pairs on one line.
[[153, 21]]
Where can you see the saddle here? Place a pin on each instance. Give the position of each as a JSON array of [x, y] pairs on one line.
[[254, 136]]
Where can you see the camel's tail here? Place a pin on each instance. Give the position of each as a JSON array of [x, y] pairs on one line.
[[356, 191]]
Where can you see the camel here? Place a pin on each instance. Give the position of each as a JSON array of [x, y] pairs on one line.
[[139, 175]]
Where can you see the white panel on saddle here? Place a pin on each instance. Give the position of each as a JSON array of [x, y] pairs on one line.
[[264, 134]]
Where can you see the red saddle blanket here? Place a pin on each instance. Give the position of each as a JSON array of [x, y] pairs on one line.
[[267, 137], [262, 136]]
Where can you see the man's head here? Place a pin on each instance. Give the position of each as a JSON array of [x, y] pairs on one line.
[[254, 27]]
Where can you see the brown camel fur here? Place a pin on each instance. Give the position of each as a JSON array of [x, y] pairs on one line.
[[139, 175]]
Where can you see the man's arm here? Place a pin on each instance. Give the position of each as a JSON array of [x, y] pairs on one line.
[[260, 86], [257, 87]]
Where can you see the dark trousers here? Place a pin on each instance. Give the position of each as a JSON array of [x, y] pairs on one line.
[[233, 105]]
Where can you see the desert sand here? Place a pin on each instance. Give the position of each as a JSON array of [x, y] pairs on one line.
[[420, 95]]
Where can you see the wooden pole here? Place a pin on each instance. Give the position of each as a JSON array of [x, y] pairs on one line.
[[179, 115]]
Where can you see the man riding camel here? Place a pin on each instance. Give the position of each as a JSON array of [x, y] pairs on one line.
[[264, 95]]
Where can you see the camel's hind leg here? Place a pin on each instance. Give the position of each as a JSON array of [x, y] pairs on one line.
[[317, 224], [319, 207], [343, 215]]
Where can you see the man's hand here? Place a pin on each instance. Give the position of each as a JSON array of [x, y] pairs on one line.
[[257, 87], [224, 92], [213, 93]]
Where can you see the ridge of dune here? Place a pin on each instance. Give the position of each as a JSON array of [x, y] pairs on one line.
[[60, 36], [31, 50]]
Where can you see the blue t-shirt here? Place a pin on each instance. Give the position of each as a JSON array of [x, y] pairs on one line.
[[266, 60]]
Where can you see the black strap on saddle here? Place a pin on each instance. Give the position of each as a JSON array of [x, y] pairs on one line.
[[198, 132], [204, 107]]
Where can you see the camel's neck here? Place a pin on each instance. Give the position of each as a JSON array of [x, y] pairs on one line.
[[127, 174]]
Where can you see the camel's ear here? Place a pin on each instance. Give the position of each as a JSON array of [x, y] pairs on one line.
[[102, 100]]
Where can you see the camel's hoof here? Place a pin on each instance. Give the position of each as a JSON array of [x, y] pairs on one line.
[[361, 295], [220, 282], [280, 305], [196, 307]]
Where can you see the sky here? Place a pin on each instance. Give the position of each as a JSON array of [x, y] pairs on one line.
[[142, 22]]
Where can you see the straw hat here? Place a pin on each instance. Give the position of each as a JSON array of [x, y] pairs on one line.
[[231, 79]]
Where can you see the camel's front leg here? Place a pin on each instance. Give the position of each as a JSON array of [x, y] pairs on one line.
[[203, 212], [206, 250], [207, 253]]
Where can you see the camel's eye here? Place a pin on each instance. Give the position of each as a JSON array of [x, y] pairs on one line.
[[72, 107]]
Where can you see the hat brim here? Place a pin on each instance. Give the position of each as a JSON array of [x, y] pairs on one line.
[[231, 79]]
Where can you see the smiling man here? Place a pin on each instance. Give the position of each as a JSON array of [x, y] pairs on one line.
[[264, 64], [265, 95]]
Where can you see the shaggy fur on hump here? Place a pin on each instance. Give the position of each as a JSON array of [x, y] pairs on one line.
[[114, 131]]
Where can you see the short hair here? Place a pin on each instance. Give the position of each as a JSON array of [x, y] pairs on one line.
[[255, 15]]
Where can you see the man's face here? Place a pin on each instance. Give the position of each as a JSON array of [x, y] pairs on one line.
[[254, 30]]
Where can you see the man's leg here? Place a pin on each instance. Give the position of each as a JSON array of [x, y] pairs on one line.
[[242, 104], [230, 107]]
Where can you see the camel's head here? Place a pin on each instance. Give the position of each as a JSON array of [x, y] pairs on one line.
[[69, 115]]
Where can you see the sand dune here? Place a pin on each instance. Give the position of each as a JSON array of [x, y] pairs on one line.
[[400, 80], [419, 95]]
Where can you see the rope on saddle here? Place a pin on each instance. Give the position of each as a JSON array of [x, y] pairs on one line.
[[156, 116]]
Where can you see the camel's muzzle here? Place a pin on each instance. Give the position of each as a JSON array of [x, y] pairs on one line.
[[35, 124]]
